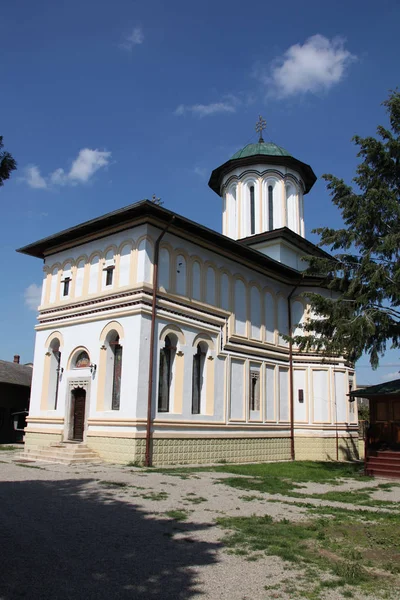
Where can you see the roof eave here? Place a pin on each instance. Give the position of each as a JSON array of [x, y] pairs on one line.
[[305, 170]]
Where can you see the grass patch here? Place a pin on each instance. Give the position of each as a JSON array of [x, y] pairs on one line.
[[28, 466], [250, 498], [195, 499], [113, 484], [277, 478], [135, 463], [361, 497], [156, 496], [9, 448], [177, 515], [350, 550]]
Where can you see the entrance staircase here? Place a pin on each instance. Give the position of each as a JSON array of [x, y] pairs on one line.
[[383, 463], [67, 453]]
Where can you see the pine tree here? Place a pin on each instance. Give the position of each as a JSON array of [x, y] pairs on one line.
[[362, 313], [7, 163]]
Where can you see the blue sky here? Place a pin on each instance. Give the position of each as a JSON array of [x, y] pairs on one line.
[[105, 104]]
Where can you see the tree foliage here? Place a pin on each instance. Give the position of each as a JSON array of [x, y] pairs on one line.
[[360, 312], [7, 163]]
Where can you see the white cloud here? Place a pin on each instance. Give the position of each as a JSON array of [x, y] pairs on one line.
[[32, 296], [34, 179], [315, 66], [85, 165], [207, 110], [390, 376], [134, 39]]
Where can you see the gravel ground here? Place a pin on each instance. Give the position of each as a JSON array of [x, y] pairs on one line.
[[71, 532]]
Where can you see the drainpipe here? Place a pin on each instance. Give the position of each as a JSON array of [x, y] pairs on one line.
[[291, 383], [148, 454]]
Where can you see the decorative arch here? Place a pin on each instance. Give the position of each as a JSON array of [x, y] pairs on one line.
[[112, 326], [298, 314], [164, 267], [180, 271], [283, 322], [255, 310], [226, 288], [94, 272], [175, 330], [79, 276], [125, 253], [269, 315], [74, 354], [240, 305], [145, 257], [196, 272], [203, 337], [52, 336], [210, 283]]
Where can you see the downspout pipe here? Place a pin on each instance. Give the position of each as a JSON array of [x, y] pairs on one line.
[[148, 453], [291, 381]]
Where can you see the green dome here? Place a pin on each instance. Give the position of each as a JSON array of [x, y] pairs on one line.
[[266, 148]]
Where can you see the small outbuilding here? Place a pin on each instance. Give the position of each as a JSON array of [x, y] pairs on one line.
[[382, 437], [15, 389]]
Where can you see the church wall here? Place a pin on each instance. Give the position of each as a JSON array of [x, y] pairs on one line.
[[234, 312]]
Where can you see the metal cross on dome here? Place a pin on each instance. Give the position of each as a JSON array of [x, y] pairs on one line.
[[260, 126]]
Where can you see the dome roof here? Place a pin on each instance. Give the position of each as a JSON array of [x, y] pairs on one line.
[[265, 148]]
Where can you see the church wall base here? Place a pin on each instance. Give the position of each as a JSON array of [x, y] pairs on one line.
[[192, 451], [324, 448], [33, 440], [181, 451]]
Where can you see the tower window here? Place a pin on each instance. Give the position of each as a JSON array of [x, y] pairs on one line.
[[252, 211], [270, 207], [109, 275], [66, 283]]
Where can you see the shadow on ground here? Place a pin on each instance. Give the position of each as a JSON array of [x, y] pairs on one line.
[[61, 540]]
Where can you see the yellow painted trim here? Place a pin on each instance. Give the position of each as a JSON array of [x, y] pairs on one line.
[[44, 419], [210, 386], [101, 382]]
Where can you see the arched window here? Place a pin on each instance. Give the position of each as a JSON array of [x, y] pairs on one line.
[[116, 349], [198, 377], [252, 211], [270, 207], [167, 356], [82, 360], [113, 371], [66, 281], [55, 361]]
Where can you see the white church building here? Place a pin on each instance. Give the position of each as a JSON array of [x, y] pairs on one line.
[[162, 341]]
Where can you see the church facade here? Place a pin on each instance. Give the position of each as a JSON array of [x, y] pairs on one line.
[[162, 341]]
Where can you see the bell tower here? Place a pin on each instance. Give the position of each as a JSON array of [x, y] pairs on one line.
[[262, 188]]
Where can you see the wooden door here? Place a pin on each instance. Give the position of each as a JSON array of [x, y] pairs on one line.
[[79, 414]]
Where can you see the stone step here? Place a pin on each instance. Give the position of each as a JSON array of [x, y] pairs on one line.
[[62, 453]]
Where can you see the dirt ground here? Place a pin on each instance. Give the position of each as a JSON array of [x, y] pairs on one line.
[[103, 531]]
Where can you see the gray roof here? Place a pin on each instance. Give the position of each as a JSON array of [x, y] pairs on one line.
[[15, 373], [388, 388]]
